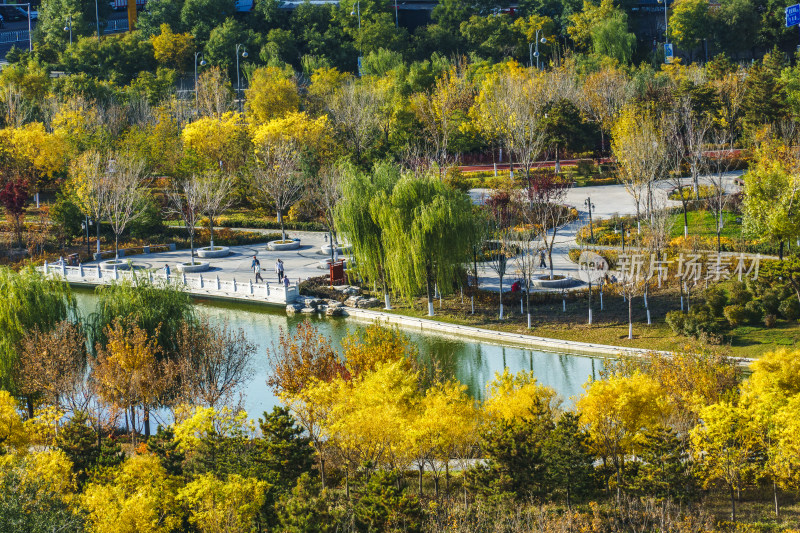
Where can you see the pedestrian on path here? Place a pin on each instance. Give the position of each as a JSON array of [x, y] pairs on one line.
[[542, 262], [285, 280], [257, 270], [279, 269], [166, 271], [254, 262]]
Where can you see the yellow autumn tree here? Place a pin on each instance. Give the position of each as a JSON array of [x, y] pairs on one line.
[[34, 152], [272, 95], [215, 506], [128, 372], [726, 447], [367, 418], [617, 411], [173, 50], [217, 142], [77, 122], [197, 423], [443, 426], [325, 81], [12, 431], [519, 395], [375, 344], [136, 497]]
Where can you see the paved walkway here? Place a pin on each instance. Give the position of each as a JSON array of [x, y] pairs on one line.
[[308, 261]]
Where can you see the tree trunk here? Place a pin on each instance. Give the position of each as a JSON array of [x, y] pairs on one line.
[[211, 231], [501, 297], [191, 244], [322, 471], [429, 288], [780, 252], [420, 479], [98, 234], [775, 496], [733, 505], [29, 401], [630, 316], [280, 221], [116, 246]]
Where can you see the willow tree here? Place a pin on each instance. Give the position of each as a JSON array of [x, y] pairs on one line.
[[428, 231], [357, 219], [28, 301]]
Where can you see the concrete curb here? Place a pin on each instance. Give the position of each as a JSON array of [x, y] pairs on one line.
[[503, 337]]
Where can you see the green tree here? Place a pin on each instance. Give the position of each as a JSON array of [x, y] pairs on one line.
[[764, 95], [53, 17], [610, 37], [689, 23], [158, 12], [220, 49], [67, 217], [284, 448], [28, 301], [164, 446], [30, 506], [307, 509], [429, 230], [199, 17], [666, 470], [383, 506], [362, 227], [160, 309], [568, 459]]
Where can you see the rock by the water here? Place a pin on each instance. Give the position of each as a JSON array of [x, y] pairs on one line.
[[334, 311], [308, 310]]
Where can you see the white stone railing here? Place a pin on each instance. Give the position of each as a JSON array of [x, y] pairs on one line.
[[196, 284]]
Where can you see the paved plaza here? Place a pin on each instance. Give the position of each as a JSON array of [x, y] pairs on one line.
[[307, 261]]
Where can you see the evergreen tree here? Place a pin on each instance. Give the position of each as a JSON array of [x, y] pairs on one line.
[[568, 458], [666, 471], [385, 507], [79, 442], [307, 509], [165, 447], [284, 449]]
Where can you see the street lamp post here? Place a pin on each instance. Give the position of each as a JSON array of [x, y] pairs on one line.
[[396, 15], [357, 11], [588, 203], [202, 64], [97, 18], [666, 27], [68, 27], [238, 75], [85, 226], [531, 53]]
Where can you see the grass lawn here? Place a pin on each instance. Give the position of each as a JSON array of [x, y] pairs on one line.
[[610, 326], [703, 224]]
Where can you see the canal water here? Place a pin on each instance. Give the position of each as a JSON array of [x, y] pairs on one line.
[[472, 362]]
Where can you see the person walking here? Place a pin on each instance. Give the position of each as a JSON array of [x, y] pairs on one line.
[[279, 270], [542, 262], [254, 262], [166, 271], [257, 270], [285, 280]]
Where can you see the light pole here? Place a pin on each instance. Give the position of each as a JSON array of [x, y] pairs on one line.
[[97, 18], [202, 64], [357, 11], [396, 15], [238, 76], [85, 226], [535, 54], [588, 203], [68, 27], [666, 27]]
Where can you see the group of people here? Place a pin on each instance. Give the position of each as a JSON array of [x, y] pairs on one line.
[[255, 266]]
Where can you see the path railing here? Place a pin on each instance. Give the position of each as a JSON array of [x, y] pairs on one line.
[[14, 36], [196, 284]]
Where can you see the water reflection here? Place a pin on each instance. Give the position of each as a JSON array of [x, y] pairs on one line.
[[471, 362]]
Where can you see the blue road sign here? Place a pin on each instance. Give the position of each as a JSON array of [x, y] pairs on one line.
[[793, 15], [668, 53]]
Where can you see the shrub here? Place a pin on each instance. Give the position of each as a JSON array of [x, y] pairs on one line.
[[149, 223], [754, 310], [770, 302], [675, 320], [716, 299], [770, 320], [735, 314], [67, 217], [790, 308], [700, 322], [739, 295]]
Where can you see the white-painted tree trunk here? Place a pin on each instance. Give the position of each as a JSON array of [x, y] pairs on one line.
[[387, 302], [430, 308]]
